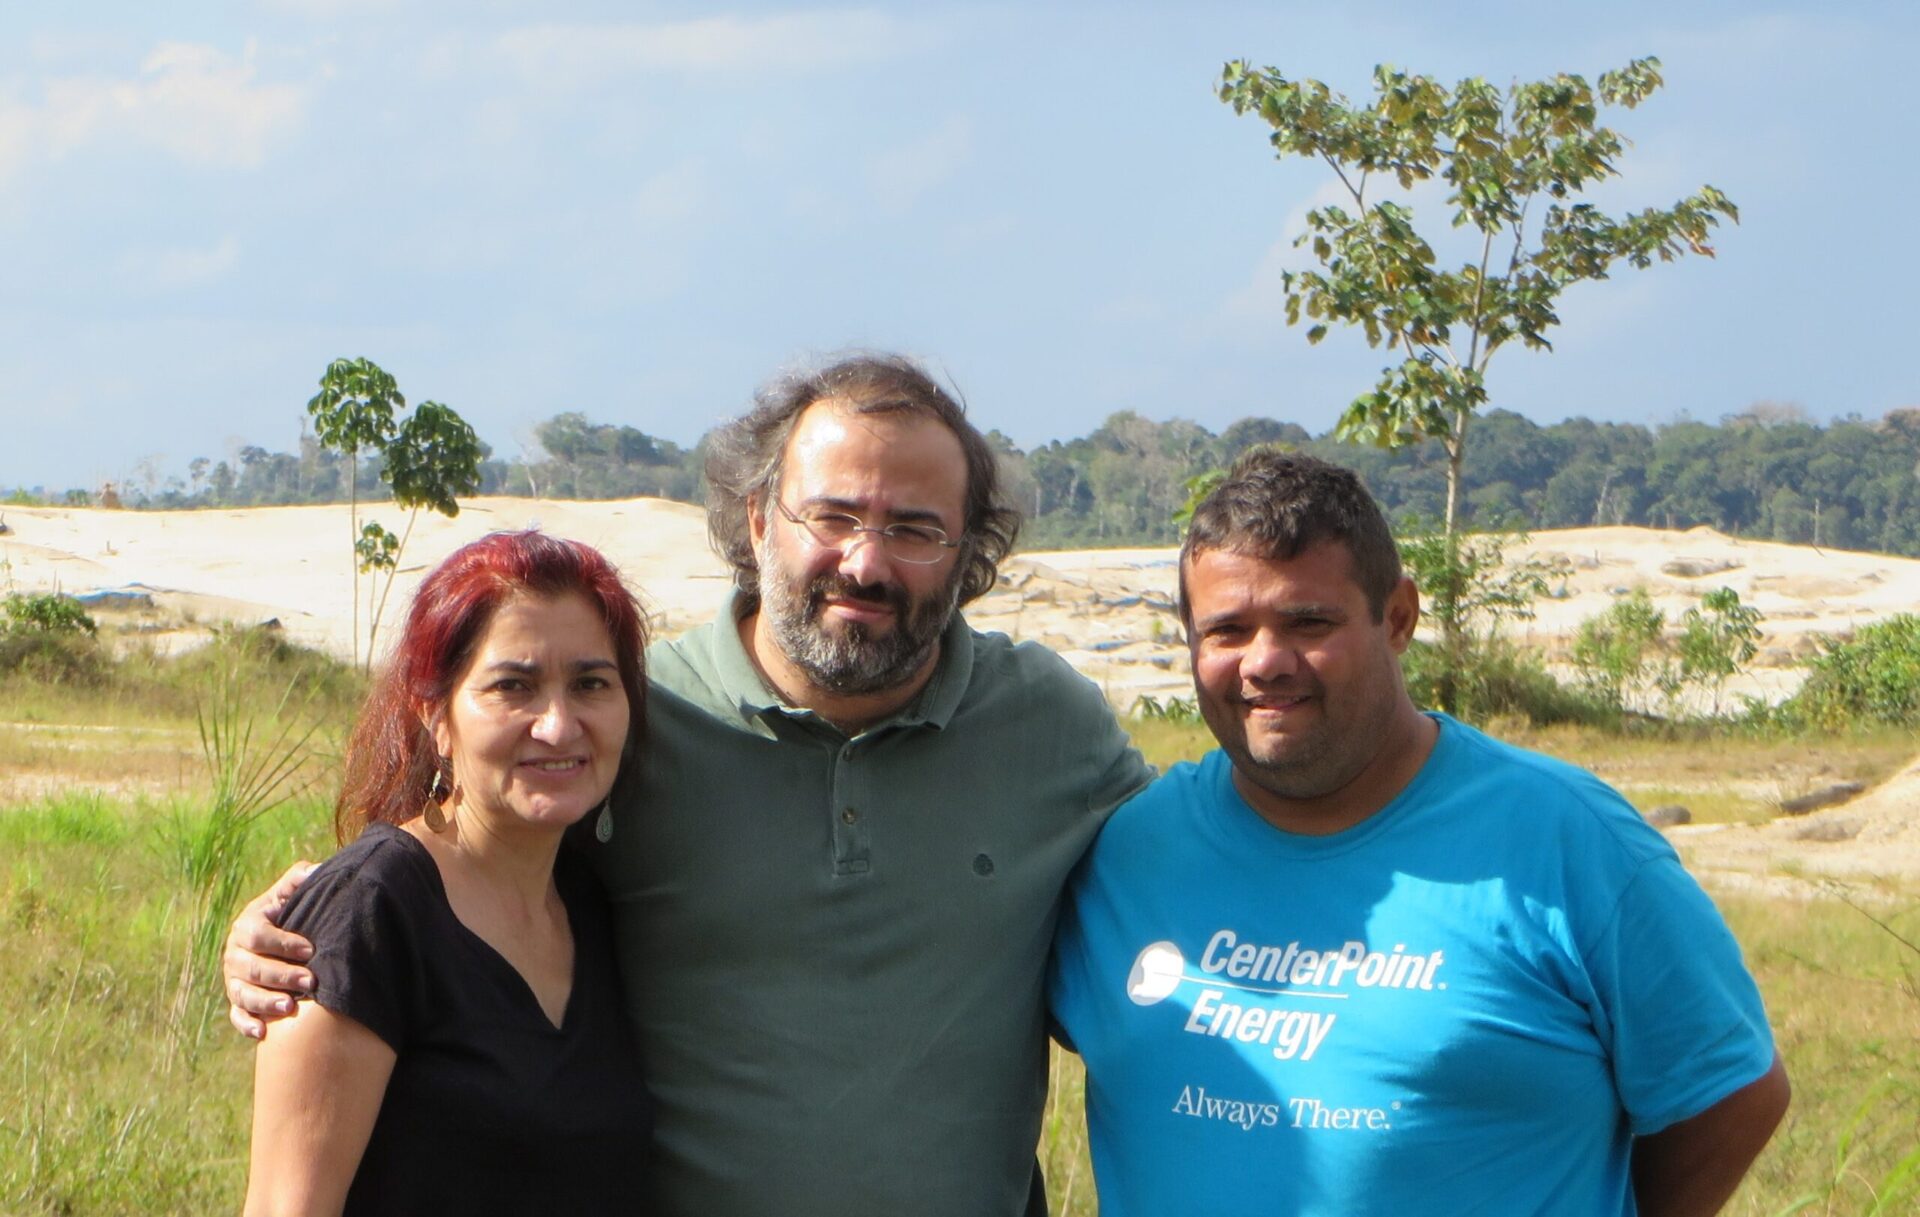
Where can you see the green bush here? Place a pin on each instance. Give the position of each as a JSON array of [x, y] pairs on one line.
[[1498, 680], [45, 613], [1872, 678], [1618, 653]]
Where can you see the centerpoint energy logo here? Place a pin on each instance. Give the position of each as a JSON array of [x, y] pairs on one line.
[[1269, 974], [1157, 972]]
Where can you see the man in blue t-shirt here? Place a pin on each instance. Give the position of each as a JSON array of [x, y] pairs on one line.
[[1365, 959]]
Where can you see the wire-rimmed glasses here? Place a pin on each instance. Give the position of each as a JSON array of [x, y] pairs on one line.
[[920, 544]]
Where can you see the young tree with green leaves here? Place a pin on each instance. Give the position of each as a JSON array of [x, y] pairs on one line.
[[1718, 637], [429, 458], [433, 456], [1472, 589], [1617, 652], [1514, 163], [352, 413]]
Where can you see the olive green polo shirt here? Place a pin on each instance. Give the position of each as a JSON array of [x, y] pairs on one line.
[[834, 947]]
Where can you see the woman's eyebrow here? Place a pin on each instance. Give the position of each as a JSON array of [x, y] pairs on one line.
[[521, 667]]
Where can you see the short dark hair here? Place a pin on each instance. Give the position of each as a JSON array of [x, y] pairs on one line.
[[1275, 504], [744, 460]]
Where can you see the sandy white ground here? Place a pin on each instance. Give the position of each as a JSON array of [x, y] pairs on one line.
[[292, 563], [1110, 612]]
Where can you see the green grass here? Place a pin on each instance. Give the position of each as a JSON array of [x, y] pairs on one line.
[[117, 1092], [1842, 995], [76, 817], [101, 1110]]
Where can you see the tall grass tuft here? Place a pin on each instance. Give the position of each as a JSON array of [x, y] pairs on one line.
[[253, 767]]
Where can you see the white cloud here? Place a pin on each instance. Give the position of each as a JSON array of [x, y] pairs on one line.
[[192, 101], [899, 177], [810, 41], [177, 267]]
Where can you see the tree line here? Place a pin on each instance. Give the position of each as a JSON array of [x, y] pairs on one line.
[[1768, 473]]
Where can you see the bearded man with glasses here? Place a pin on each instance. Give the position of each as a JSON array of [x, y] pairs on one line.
[[836, 863]]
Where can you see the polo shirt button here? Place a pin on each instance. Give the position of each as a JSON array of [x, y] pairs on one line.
[[849, 816]]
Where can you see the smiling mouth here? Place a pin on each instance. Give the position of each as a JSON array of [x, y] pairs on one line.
[[559, 766], [1275, 704]]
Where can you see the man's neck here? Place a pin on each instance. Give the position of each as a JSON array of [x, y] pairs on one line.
[[851, 714], [1407, 740]]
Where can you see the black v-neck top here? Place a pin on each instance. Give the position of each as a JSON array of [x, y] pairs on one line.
[[491, 1108]]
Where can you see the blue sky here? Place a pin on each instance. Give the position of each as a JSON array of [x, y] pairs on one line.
[[641, 211]]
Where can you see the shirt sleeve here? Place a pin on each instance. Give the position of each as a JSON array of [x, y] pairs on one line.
[[363, 947], [1117, 769], [1681, 1015]]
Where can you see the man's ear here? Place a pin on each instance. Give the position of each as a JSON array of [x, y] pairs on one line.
[[1402, 614], [756, 520]]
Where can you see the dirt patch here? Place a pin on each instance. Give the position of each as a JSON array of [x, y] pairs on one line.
[[1872, 837]]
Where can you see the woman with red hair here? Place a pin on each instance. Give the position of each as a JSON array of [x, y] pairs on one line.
[[464, 1048]]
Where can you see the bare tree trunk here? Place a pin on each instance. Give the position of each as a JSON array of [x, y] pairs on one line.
[[1447, 601], [373, 627], [353, 548]]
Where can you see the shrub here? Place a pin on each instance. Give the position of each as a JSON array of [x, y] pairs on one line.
[[1499, 680], [1872, 678], [1718, 638], [1617, 652], [265, 660], [46, 613], [52, 658]]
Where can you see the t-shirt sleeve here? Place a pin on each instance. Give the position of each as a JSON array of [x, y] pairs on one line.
[[1119, 771], [363, 948], [1681, 1014]]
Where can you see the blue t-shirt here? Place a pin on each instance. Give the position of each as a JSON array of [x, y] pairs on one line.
[[1470, 1002]]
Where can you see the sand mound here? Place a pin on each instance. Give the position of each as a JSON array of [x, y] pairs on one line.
[[1875, 836], [291, 564], [1801, 590]]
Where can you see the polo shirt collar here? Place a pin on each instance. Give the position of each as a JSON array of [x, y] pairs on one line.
[[734, 672]]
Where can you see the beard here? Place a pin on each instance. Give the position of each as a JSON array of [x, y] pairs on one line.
[[854, 660]]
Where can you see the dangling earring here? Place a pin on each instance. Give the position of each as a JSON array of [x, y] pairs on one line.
[[435, 812]]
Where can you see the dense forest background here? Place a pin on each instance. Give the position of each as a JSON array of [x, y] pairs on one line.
[[1768, 472]]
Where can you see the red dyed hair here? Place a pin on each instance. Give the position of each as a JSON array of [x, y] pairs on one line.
[[391, 759]]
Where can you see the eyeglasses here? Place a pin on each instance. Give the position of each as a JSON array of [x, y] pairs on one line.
[[919, 544]]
